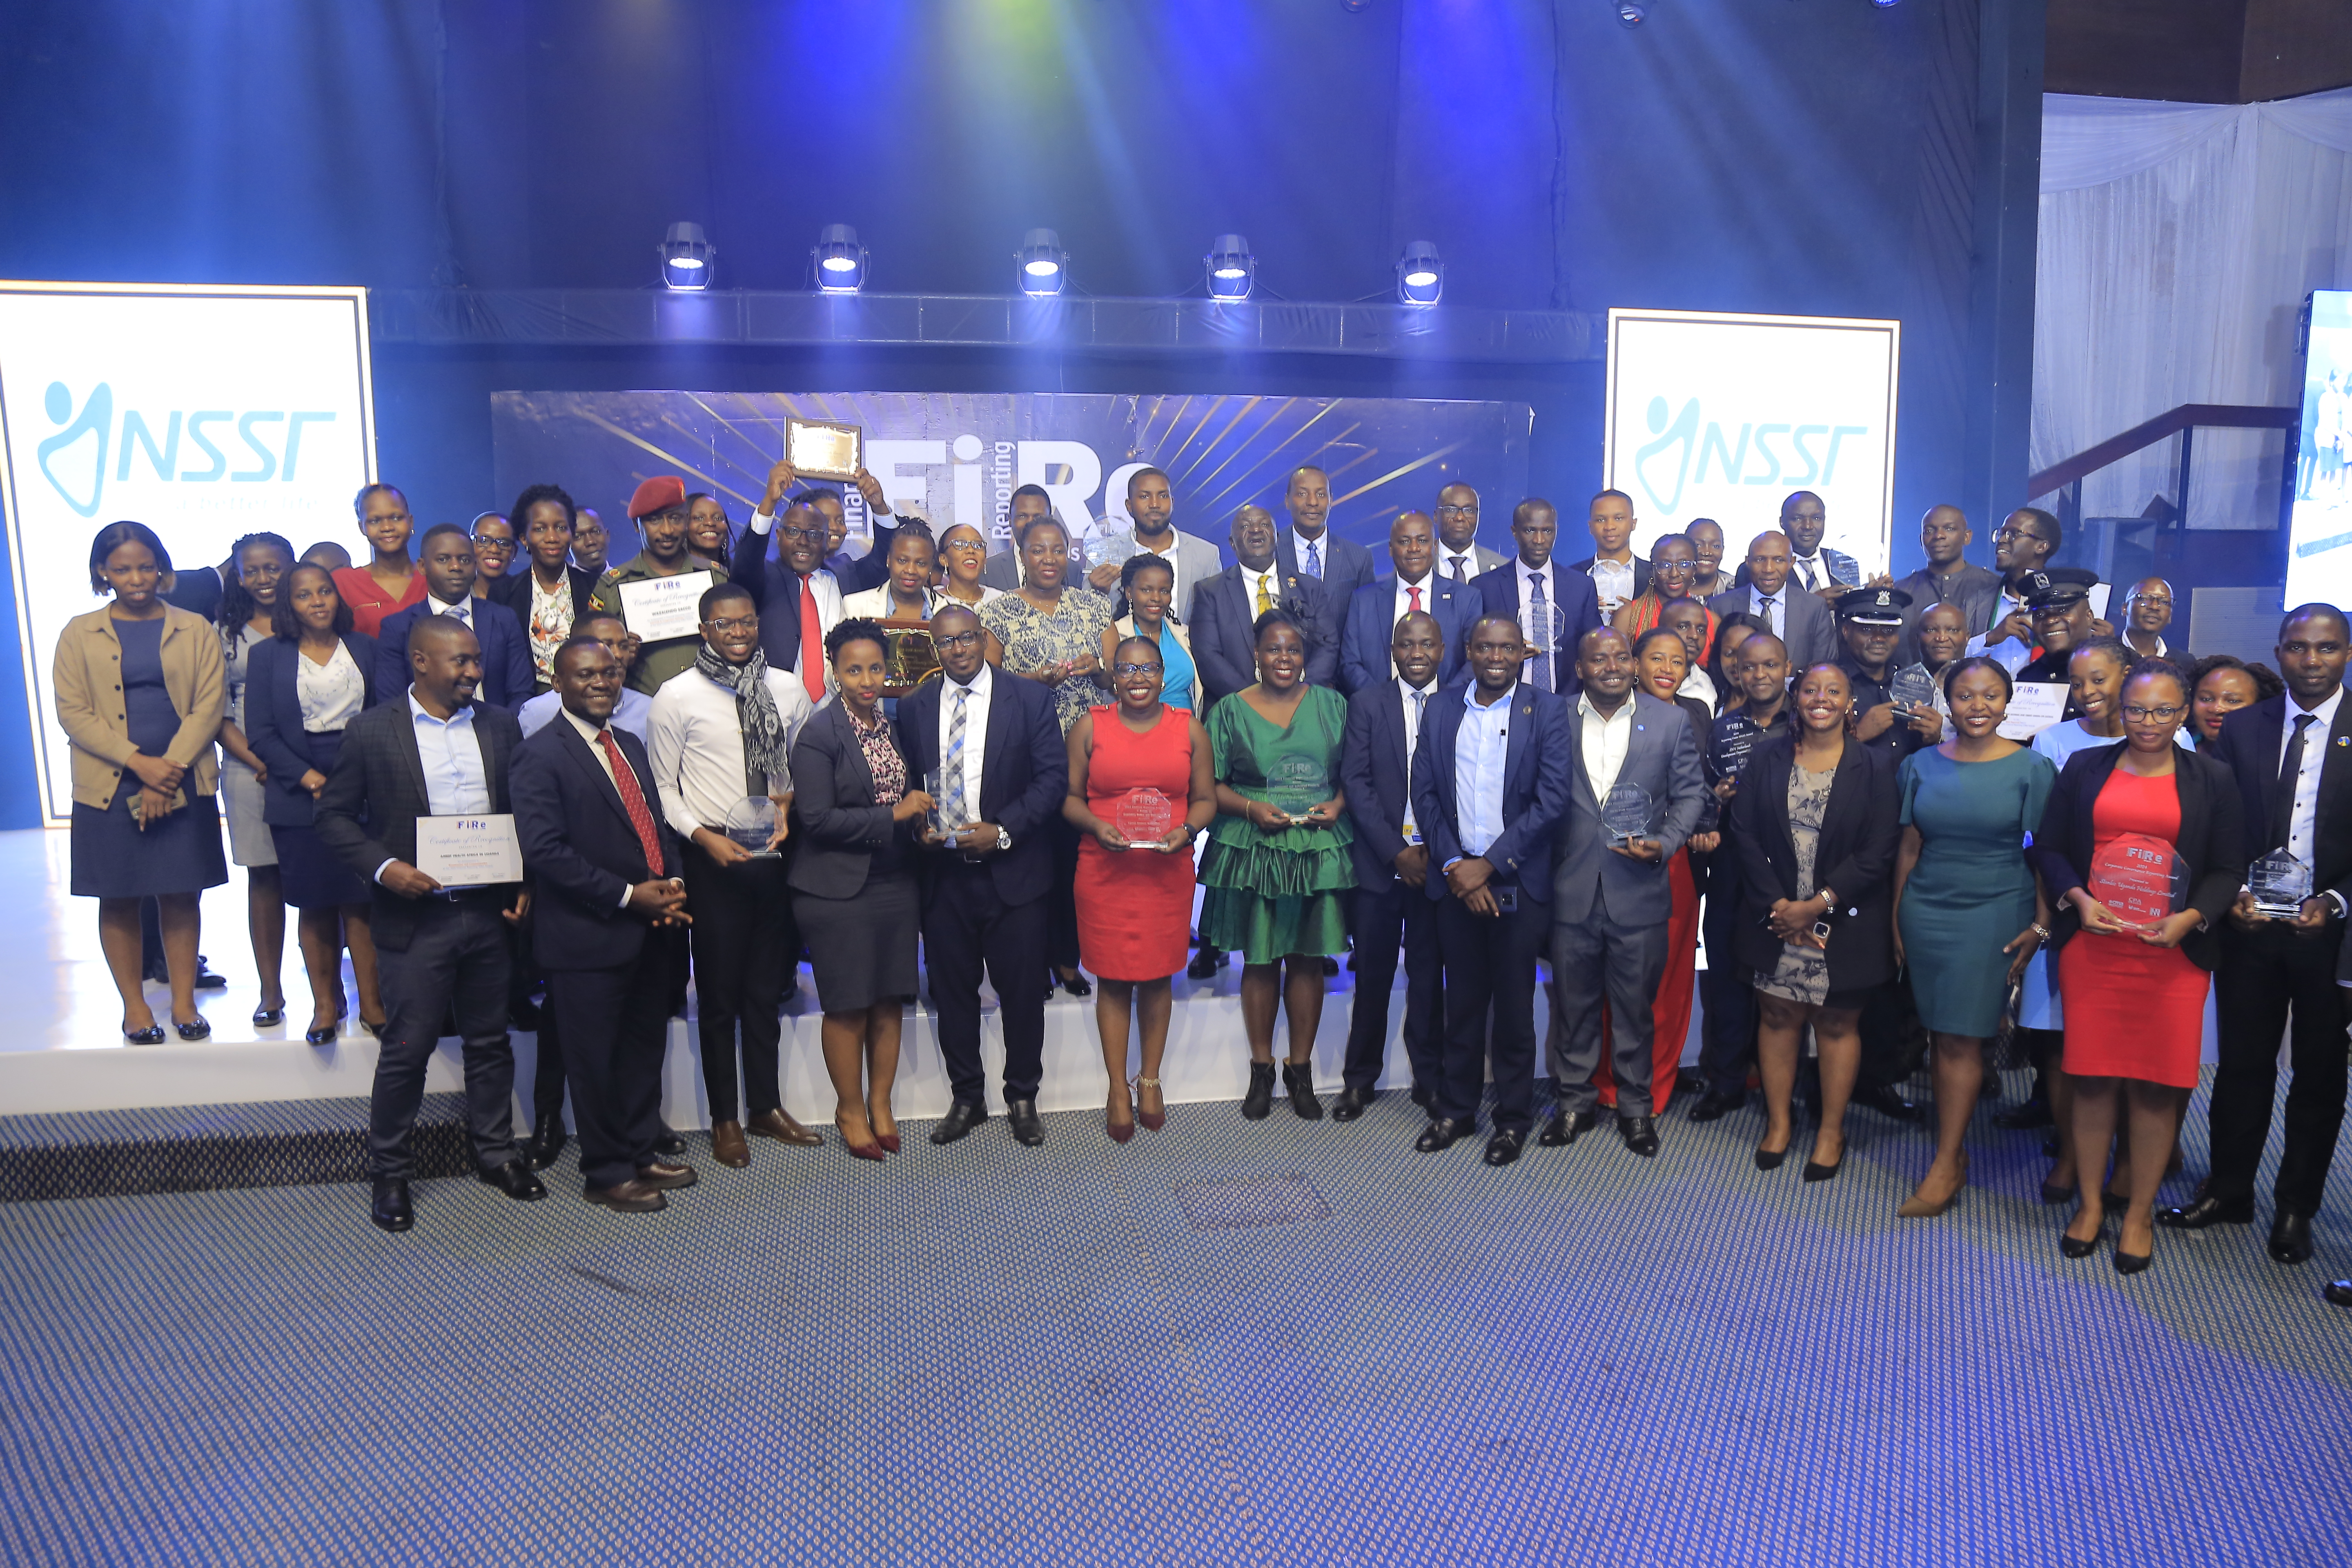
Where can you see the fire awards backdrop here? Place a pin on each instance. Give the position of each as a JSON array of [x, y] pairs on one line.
[[957, 457]]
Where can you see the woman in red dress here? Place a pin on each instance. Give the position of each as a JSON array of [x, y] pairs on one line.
[[390, 582], [1139, 768], [2133, 976]]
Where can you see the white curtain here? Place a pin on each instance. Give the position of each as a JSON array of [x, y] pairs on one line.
[[2177, 244]]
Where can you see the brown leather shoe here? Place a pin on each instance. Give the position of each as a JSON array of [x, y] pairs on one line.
[[779, 1125], [666, 1177], [727, 1146], [635, 1195]]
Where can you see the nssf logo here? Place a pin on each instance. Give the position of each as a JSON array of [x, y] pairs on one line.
[[1663, 464], [74, 459]]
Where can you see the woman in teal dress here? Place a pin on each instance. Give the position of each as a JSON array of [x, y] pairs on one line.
[[1968, 913], [1278, 867]]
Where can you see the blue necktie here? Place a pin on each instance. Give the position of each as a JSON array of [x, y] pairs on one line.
[[1314, 559]]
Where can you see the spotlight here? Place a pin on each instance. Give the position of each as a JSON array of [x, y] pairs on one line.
[[1631, 12], [1232, 270], [1421, 276], [685, 257], [840, 260], [1883, 5], [1041, 267]]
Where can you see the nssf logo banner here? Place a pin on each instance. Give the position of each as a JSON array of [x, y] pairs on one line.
[[205, 412], [1721, 415]]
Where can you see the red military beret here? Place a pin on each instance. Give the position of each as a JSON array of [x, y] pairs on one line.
[[659, 493]]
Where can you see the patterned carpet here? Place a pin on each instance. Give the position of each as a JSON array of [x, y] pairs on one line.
[[1222, 1343]]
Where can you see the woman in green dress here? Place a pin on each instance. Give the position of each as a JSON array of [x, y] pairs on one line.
[[1278, 867], [1968, 906]]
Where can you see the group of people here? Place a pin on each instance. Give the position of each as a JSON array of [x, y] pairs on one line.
[[1505, 771]]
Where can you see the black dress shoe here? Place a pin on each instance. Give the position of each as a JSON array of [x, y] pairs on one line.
[[514, 1179], [1299, 1082], [1021, 1115], [1883, 1098], [546, 1139], [1205, 963], [264, 1017], [2291, 1238], [205, 979], [1353, 1101], [1442, 1134], [1641, 1134], [2033, 1112], [2338, 1292], [1258, 1103], [666, 1177], [667, 1142], [391, 1211], [1503, 1146], [1714, 1106], [962, 1115], [1563, 1129], [2208, 1211]]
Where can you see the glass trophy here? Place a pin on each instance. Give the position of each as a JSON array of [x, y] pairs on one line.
[[1913, 688], [752, 825], [1145, 817], [1296, 785], [1626, 813], [1735, 735], [939, 823], [2280, 883], [2141, 880]]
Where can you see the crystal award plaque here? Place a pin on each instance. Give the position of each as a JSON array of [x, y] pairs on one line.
[[939, 823], [1144, 818], [1735, 735], [2280, 884], [1296, 785], [822, 450], [1626, 813], [751, 822], [1913, 688], [2141, 880]]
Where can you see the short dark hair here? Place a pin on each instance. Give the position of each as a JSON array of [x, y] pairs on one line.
[[1139, 473], [114, 537], [2266, 680], [358, 501], [573, 644], [1043, 520], [2112, 646], [1147, 644], [435, 531], [1653, 634], [2151, 666], [2047, 524], [856, 628], [718, 593], [284, 625], [1040, 492], [1533, 503], [1277, 616], [535, 494], [809, 497], [1600, 495], [2314, 610], [1960, 666]]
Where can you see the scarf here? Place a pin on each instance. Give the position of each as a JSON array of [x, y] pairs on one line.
[[755, 708]]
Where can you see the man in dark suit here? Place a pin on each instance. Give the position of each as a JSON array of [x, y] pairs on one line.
[[546, 515], [431, 750], [995, 746], [1948, 578], [1610, 899], [1365, 655], [2291, 755], [1554, 606], [1618, 576], [605, 872], [1489, 780], [1309, 548], [1226, 608], [1803, 621], [1461, 559], [1384, 725], [446, 559], [797, 599]]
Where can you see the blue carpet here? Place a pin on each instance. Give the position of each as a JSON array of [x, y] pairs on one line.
[[1223, 1343]]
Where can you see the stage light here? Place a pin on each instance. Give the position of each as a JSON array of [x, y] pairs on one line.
[[1631, 12], [840, 260], [1041, 267], [686, 254], [1421, 276], [1232, 270]]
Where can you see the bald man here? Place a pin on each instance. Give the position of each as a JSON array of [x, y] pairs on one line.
[[1309, 547], [1948, 578], [1799, 619]]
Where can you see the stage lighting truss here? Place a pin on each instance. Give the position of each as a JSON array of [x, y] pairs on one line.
[[838, 260], [1231, 270], [1041, 267], [687, 256], [1421, 276]]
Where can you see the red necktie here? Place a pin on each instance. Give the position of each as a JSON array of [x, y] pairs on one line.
[[1414, 590], [633, 801], [811, 643]]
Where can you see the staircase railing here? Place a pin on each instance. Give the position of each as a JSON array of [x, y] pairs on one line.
[[2066, 478]]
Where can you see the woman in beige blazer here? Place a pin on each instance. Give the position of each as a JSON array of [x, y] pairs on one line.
[[140, 691]]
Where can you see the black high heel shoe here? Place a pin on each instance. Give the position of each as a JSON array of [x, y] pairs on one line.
[[2073, 1248], [325, 1036], [2132, 1262], [1815, 1171], [263, 1017], [1767, 1161]]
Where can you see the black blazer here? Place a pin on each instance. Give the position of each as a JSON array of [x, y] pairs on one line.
[[367, 814], [580, 849], [2211, 841], [2249, 747], [1373, 775], [1226, 651], [506, 670], [273, 722], [1576, 610], [1536, 784], [841, 826], [1025, 776], [776, 587], [1854, 859]]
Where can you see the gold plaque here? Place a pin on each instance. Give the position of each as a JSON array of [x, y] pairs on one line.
[[821, 450], [909, 657]]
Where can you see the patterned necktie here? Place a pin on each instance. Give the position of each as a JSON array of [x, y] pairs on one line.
[[1805, 571], [2290, 775], [812, 642], [1314, 559], [1264, 595], [1539, 624], [951, 771], [633, 801], [459, 613], [1771, 616]]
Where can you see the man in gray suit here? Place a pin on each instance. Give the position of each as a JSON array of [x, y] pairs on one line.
[[1799, 619], [1460, 557], [1610, 897], [1153, 505]]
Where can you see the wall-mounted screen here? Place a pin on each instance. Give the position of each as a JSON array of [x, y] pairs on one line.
[[2319, 529]]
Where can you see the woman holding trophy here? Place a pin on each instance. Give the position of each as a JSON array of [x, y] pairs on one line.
[[2142, 844]]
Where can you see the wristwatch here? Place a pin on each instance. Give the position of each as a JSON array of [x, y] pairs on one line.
[[1003, 838]]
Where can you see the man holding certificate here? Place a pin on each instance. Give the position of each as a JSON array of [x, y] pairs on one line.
[[657, 595], [417, 803]]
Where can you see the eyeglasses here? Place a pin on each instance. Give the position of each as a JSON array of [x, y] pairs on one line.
[[1470, 511], [956, 639], [731, 626], [2133, 714], [964, 544], [1137, 669], [806, 535], [2014, 534]]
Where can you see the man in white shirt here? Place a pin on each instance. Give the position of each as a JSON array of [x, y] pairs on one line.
[[719, 736], [1461, 559], [1618, 574], [2147, 613]]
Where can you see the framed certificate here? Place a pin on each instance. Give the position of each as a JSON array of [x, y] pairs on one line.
[[908, 656], [2034, 707], [468, 851], [821, 450], [660, 609]]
